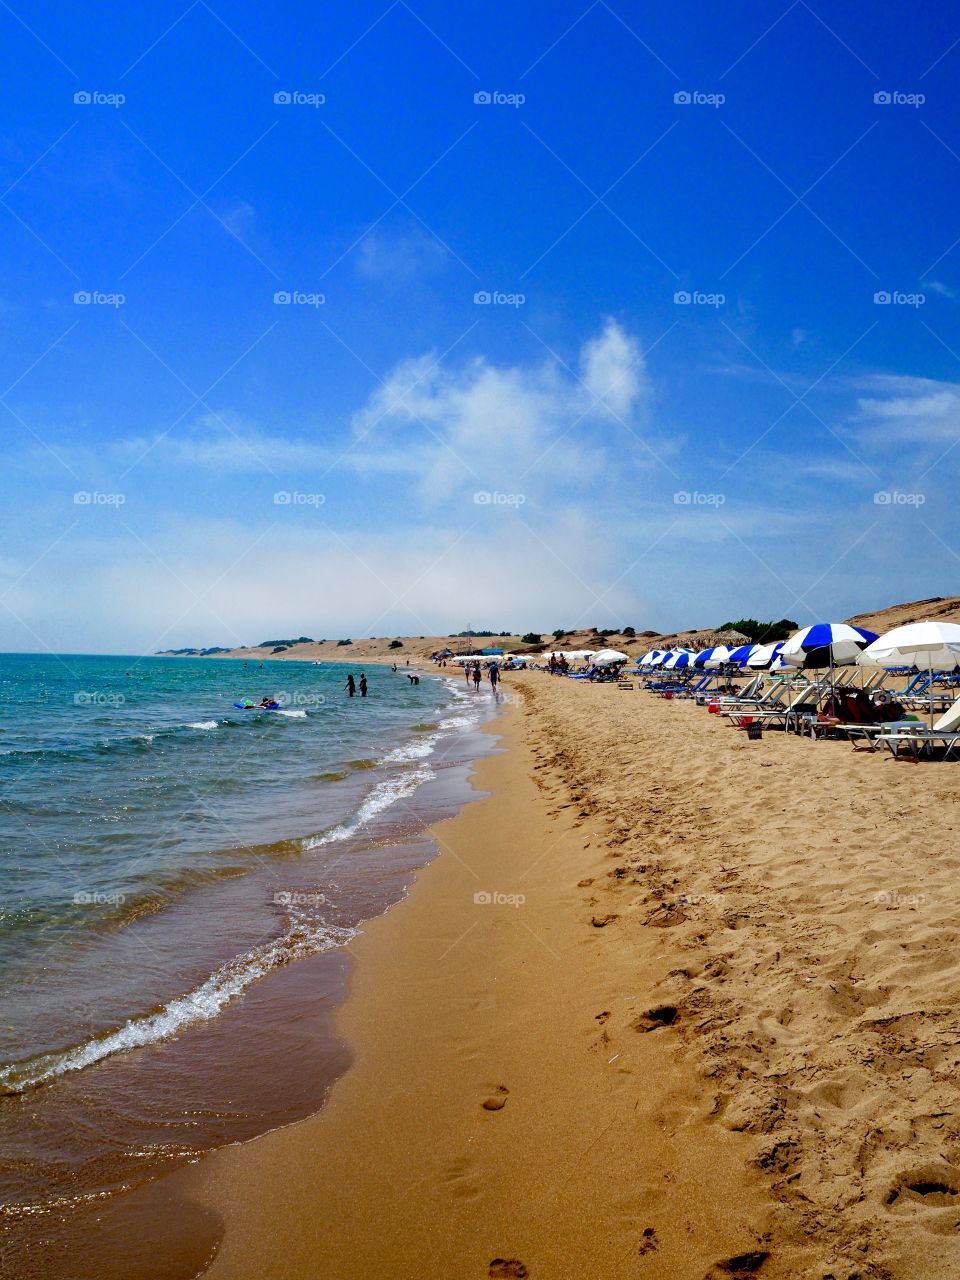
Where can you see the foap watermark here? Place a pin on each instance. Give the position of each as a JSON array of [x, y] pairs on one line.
[[300, 699], [96, 898], [697, 298], [694, 498], [95, 698], [296, 898], [94, 98], [294, 498], [494, 98], [298, 298], [894, 898], [488, 898], [694, 98], [894, 98], [488, 498], [295, 98], [496, 298], [97, 298], [94, 498], [896, 298], [896, 498]]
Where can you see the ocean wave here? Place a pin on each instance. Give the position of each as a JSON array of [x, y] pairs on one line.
[[296, 715], [202, 724], [303, 938], [383, 795]]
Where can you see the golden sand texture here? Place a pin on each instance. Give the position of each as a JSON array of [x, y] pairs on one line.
[[718, 1037]]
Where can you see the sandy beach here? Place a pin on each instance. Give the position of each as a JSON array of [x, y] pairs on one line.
[[716, 1037]]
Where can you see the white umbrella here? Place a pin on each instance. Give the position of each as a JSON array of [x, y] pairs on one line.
[[609, 657], [932, 646]]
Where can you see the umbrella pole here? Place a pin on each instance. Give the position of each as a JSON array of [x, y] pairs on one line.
[[930, 684]]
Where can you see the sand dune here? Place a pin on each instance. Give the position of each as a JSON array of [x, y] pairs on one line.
[[419, 648]]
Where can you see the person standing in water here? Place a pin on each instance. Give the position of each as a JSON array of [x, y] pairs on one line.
[[477, 677], [494, 678], [363, 685], [351, 685]]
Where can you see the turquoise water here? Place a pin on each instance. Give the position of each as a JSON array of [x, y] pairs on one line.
[[128, 785]]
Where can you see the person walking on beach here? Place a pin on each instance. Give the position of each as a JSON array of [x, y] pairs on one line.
[[494, 678], [466, 672], [351, 685], [477, 677], [363, 685]]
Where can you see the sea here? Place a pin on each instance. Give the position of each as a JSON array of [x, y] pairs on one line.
[[180, 881]]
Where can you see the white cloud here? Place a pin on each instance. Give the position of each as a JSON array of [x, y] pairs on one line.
[[518, 427], [908, 411], [614, 372], [400, 256]]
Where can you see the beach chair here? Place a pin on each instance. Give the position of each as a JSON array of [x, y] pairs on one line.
[[692, 688], [746, 704], [788, 714], [916, 736], [861, 722]]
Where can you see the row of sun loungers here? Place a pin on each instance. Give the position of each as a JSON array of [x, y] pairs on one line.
[[836, 705]]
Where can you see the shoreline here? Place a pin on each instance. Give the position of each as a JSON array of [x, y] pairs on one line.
[[486, 1126], [182, 1092]]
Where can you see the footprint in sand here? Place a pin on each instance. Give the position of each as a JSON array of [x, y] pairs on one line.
[[496, 1102], [508, 1269], [740, 1267], [663, 1016], [935, 1185]]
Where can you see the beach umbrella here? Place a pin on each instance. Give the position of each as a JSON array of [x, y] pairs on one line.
[[826, 644], [742, 654], [930, 646], [765, 655], [713, 657], [647, 659], [678, 658], [609, 657]]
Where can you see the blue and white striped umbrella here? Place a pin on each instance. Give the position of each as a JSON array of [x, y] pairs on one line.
[[715, 656], [765, 655], [742, 655], [826, 644], [678, 658], [647, 659]]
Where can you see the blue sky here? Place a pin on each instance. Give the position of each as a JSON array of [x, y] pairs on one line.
[[686, 399]]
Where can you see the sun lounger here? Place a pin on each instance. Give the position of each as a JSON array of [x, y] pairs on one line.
[[916, 736], [806, 700], [860, 720], [744, 704]]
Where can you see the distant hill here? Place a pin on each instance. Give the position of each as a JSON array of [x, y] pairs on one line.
[[417, 648]]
